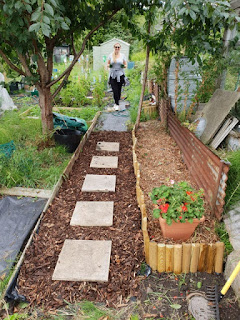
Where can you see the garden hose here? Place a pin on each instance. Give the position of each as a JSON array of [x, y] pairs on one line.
[[118, 113]]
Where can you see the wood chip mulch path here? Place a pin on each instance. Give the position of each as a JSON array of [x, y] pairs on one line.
[[34, 280]]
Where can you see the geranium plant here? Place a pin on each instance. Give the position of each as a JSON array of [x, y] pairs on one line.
[[178, 202]]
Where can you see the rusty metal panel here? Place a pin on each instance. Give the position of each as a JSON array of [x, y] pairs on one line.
[[207, 169]]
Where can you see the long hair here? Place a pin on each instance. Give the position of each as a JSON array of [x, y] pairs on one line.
[[113, 54]]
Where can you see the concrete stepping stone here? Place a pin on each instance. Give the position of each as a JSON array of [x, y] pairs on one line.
[[83, 260], [99, 183], [93, 213], [107, 146], [104, 162]]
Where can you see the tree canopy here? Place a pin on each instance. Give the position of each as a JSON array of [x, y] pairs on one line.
[[30, 29]]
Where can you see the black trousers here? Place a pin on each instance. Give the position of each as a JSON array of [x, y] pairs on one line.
[[116, 88]]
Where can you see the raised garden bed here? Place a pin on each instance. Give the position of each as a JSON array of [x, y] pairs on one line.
[[160, 161]]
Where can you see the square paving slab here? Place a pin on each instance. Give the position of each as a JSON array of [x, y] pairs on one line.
[[83, 260], [99, 183], [107, 146], [104, 162], [93, 213]]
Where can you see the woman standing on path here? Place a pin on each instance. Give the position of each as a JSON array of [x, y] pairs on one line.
[[116, 63]]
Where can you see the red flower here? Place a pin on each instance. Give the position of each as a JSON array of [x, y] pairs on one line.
[[164, 207], [193, 199], [184, 208], [189, 192], [180, 217]]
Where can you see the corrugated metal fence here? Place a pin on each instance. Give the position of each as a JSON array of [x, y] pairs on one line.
[[208, 170]]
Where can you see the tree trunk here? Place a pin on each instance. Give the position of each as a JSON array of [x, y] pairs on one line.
[[45, 102], [144, 80]]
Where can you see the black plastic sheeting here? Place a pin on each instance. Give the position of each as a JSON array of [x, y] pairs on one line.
[[17, 219]]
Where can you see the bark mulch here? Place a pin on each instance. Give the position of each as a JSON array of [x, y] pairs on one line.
[[34, 280]]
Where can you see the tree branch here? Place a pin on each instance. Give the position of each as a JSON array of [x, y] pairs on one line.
[[81, 51], [11, 65], [61, 85], [73, 47], [24, 63]]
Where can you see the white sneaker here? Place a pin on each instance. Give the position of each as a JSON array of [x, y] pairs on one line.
[[116, 107]]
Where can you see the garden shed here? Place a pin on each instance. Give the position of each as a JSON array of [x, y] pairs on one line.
[[101, 52], [61, 52]]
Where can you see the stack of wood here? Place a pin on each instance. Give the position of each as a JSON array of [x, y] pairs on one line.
[[149, 108]]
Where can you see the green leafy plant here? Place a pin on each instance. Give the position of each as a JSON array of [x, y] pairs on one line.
[[178, 202]]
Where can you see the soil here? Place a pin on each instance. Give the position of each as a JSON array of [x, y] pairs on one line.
[[155, 296]]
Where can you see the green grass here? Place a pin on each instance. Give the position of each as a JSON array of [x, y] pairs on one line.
[[86, 113], [29, 167], [231, 80], [233, 182], [133, 96], [224, 237]]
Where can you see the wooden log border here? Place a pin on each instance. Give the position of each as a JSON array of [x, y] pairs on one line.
[[176, 258], [56, 188], [150, 110]]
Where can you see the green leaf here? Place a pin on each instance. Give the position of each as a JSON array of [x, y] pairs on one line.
[[199, 285], [169, 221], [18, 5], [175, 306], [5, 8], [45, 29], [46, 19], [29, 8], [34, 27], [64, 26], [193, 15], [53, 2], [35, 16], [183, 10], [34, 58], [156, 213], [49, 9], [23, 305]]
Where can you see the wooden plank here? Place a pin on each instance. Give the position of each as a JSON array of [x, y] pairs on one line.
[[223, 132], [66, 108], [153, 251], [146, 245], [26, 192], [210, 257], [218, 267], [144, 224], [187, 249], [161, 263], [177, 258], [143, 211], [202, 257], [169, 258], [195, 257]]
